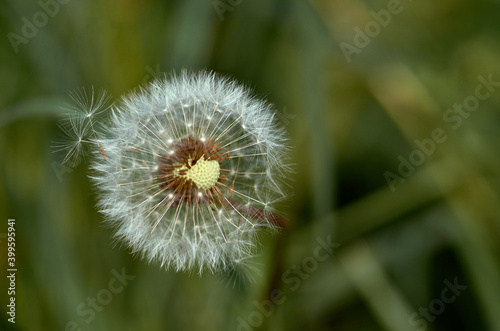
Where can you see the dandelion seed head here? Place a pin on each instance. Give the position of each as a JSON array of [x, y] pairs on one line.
[[193, 168]]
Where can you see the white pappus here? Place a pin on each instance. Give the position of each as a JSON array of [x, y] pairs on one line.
[[188, 169]]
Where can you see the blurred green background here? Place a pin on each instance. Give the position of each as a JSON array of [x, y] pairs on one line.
[[360, 85]]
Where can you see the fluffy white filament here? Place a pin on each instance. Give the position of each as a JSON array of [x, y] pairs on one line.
[[200, 229]]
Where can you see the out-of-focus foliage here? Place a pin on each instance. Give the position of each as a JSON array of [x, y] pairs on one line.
[[365, 88]]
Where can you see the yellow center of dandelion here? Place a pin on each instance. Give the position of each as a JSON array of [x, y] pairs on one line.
[[193, 161], [204, 173]]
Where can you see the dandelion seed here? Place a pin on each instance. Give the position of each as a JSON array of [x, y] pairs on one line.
[[79, 125], [181, 171]]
